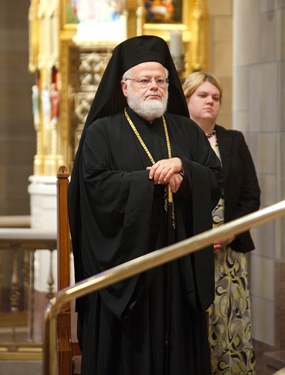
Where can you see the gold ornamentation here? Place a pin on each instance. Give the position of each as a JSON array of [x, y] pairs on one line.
[[132, 125]]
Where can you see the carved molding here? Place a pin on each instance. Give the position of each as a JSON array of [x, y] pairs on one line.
[[91, 69]]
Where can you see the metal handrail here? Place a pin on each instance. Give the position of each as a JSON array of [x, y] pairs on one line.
[[139, 265]]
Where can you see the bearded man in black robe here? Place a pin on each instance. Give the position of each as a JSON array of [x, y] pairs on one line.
[[144, 177]]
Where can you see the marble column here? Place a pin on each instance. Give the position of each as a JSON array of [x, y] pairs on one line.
[[259, 111]]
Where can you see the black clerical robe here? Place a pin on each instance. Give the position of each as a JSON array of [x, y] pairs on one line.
[[123, 328]]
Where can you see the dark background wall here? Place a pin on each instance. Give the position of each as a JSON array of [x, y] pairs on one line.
[[17, 134]]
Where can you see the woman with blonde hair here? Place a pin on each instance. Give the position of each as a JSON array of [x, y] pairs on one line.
[[229, 316]]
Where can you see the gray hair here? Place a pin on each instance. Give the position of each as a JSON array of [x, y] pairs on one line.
[[128, 73]]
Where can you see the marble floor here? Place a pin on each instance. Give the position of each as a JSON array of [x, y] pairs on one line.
[[268, 360]]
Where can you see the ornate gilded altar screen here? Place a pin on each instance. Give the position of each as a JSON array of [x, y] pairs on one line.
[[71, 42]]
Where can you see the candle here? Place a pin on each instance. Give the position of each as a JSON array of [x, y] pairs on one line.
[[176, 43]]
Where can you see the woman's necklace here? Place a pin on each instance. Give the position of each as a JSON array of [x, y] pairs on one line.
[[210, 135], [132, 125]]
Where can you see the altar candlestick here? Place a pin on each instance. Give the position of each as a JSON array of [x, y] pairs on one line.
[[176, 44]]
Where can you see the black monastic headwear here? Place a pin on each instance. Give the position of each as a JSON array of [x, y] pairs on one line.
[[109, 98]]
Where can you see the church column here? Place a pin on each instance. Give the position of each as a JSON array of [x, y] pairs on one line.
[[259, 111]]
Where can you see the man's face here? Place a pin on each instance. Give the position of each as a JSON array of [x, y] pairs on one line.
[[145, 87]]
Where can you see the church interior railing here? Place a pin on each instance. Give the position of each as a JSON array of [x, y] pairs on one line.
[[138, 265], [21, 304]]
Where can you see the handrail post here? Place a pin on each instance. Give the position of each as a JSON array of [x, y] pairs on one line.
[[63, 253], [63, 237]]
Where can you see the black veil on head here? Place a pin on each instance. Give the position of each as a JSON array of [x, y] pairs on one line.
[[109, 100]]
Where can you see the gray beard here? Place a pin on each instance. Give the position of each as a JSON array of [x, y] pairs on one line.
[[149, 110]]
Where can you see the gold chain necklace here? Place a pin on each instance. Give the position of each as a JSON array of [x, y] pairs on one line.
[[132, 125]]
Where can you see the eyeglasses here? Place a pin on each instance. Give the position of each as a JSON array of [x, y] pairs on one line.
[[145, 82]]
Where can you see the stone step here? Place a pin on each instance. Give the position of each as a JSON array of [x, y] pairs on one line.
[[280, 372], [274, 361], [8, 367]]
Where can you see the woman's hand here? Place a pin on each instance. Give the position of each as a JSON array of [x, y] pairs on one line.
[[218, 245]]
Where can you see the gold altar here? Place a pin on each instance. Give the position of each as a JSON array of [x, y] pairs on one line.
[[70, 44]]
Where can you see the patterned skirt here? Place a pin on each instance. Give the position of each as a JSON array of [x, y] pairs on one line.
[[230, 317]]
